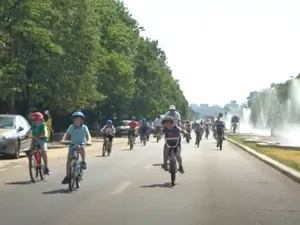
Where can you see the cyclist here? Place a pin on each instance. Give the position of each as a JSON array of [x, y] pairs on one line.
[[133, 126], [157, 124], [219, 128], [176, 115], [172, 131], [188, 128], [198, 130], [40, 137], [109, 130], [80, 135], [144, 129]]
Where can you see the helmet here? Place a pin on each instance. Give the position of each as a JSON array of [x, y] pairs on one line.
[[109, 122], [143, 121], [46, 112], [133, 118], [168, 119], [37, 116], [78, 114], [172, 107]]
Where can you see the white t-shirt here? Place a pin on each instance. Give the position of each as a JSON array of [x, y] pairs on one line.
[[157, 122], [176, 117]]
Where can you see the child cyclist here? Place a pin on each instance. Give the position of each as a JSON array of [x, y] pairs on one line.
[[172, 131], [40, 137], [109, 131], [79, 135]]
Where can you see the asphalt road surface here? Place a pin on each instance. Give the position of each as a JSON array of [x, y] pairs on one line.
[[226, 187]]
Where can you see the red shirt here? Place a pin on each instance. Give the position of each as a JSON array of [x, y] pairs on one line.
[[133, 124]]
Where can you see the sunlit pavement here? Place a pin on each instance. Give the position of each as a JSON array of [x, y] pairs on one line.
[[226, 187]]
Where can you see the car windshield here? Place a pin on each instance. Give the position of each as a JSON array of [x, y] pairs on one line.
[[6, 122], [126, 122]]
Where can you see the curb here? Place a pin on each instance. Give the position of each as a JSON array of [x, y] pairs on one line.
[[289, 172]]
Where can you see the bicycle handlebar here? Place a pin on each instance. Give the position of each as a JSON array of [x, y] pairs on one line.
[[69, 143]]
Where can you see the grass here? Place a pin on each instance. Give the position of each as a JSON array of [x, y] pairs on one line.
[[290, 158]]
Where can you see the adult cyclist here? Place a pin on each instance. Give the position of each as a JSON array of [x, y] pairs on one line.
[[157, 124], [144, 129], [219, 127]]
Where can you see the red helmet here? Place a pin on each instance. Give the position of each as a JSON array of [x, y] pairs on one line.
[[37, 116]]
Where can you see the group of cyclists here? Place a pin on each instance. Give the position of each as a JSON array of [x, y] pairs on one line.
[[78, 133]]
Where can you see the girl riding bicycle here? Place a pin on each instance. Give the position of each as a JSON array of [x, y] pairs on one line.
[[80, 135], [109, 130], [40, 137]]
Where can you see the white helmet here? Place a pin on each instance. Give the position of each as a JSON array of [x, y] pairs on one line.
[[46, 112], [172, 107]]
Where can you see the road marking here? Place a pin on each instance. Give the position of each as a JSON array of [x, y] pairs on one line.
[[1, 170], [148, 166], [121, 188], [17, 166]]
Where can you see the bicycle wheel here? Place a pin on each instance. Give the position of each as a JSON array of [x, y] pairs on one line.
[[131, 143], [144, 141], [157, 138], [109, 148], [72, 174], [33, 170], [40, 167], [104, 149], [173, 178], [79, 175], [221, 144], [198, 141]]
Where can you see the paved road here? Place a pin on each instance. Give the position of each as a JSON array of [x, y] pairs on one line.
[[218, 188]]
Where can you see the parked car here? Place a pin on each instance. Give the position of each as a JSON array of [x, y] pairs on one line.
[[13, 135], [123, 129]]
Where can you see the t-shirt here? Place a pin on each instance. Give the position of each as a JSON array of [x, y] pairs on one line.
[[78, 134], [133, 124], [40, 131], [174, 132], [176, 117], [157, 122]]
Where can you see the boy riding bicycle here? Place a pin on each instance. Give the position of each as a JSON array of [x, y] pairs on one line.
[[80, 135], [172, 131]]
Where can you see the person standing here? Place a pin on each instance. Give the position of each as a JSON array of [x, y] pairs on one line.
[[48, 121]]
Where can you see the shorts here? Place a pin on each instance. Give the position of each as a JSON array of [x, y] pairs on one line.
[[42, 145], [82, 147], [157, 129], [109, 137]]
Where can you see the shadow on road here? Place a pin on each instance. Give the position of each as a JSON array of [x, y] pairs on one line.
[[165, 185], [57, 191], [126, 149], [157, 164], [19, 182]]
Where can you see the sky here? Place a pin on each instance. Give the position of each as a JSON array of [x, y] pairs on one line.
[[221, 50]]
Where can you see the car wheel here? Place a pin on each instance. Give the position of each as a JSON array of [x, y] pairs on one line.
[[17, 150]]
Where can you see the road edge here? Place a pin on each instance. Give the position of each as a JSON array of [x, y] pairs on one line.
[[287, 171]]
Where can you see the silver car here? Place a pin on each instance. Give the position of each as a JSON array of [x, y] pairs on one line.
[[13, 135]]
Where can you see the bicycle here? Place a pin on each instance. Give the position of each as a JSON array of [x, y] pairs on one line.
[[172, 144], [36, 167], [75, 168], [106, 148]]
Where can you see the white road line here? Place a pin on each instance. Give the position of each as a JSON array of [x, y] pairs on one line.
[[1, 170], [121, 188], [17, 166], [148, 166]]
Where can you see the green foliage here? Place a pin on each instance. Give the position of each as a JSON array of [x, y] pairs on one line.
[[69, 54]]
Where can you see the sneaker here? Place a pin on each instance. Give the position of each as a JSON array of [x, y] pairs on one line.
[[181, 170], [65, 180], [46, 171], [83, 165]]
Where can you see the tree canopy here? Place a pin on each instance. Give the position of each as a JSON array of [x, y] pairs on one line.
[[68, 54]]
